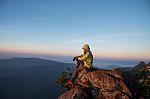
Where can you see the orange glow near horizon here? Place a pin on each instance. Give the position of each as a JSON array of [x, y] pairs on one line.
[[121, 55], [38, 52], [100, 54]]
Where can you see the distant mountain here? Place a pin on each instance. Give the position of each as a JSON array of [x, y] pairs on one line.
[[140, 65], [26, 62], [30, 78]]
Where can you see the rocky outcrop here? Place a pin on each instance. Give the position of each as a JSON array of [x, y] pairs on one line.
[[110, 85], [140, 67], [138, 79], [77, 92]]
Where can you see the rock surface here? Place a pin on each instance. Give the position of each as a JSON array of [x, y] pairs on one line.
[[110, 85], [77, 92]]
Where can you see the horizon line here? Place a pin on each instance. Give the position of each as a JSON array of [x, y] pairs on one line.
[[30, 54]]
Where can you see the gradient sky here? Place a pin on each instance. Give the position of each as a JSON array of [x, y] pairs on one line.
[[113, 28]]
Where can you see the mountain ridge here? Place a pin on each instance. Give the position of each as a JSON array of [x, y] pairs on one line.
[[34, 77], [30, 78]]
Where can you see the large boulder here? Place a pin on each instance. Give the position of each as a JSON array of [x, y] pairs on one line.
[[110, 83]]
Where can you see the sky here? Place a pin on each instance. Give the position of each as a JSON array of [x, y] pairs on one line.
[[113, 28]]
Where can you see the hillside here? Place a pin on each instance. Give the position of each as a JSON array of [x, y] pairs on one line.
[[30, 78], [34, 78], [138, 79]]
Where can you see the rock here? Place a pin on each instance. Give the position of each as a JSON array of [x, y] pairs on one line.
[[112, 95], [109, 82], [75, 93], [110, 85]]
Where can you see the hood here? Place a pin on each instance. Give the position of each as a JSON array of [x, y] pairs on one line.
[[86, 47]]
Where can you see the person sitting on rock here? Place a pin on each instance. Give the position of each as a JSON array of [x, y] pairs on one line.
[[84, 62]]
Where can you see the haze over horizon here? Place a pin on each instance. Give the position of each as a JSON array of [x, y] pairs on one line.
[[115, 29]]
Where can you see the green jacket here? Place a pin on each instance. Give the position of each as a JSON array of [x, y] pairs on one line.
[[87, 57]]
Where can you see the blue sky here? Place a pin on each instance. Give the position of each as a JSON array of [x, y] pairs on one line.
[[113, 28]]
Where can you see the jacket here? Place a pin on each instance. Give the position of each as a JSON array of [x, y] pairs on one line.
[[87, 57]]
